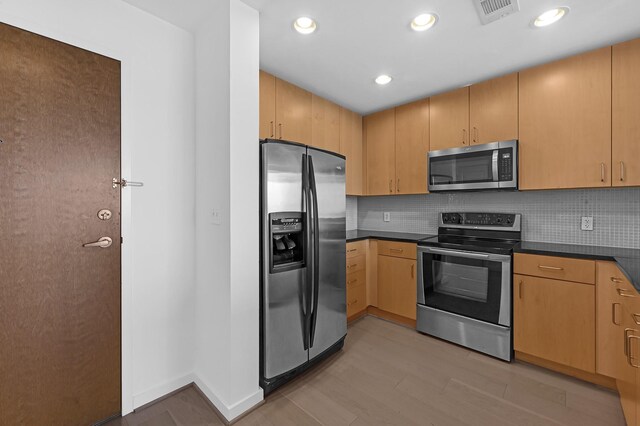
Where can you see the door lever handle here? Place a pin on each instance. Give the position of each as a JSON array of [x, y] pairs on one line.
[[103, 242]]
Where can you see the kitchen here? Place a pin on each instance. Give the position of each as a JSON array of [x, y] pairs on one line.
[[442, 229]]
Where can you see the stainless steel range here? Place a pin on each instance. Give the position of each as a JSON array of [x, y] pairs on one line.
[[464, 281]]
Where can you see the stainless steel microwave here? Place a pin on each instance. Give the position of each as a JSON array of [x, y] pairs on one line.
[[478, 167]]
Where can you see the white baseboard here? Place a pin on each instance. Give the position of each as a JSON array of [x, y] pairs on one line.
[[152, 394], [230, 411]]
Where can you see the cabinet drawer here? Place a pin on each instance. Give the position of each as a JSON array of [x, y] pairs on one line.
[[355, 279], [356, 299], [396, 249], [356, 248], [356, 264], [561, 268]]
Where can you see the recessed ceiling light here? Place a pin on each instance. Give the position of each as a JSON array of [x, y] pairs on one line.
[[304, 25], [551, 16], [424, 22], [383, 79]]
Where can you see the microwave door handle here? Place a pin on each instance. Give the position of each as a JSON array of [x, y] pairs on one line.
[[494, 165]]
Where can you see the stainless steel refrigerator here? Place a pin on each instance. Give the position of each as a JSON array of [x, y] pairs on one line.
[[303, 271]]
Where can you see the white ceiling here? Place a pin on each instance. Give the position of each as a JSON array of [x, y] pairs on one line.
[[357, 40]]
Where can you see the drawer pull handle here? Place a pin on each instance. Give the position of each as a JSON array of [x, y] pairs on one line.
[[616, 280], [353, 265], [602, 172], [551, 268], [636, 319], [396, 250], [353, 302], [352, 281], [520, 289], [625, 293], [351, 250], [630, 357], [614, 312]]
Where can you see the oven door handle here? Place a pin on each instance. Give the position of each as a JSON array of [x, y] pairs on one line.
[[467, 254]]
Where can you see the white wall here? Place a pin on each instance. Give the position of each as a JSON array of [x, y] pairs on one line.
[[158, 148], [227, 62]]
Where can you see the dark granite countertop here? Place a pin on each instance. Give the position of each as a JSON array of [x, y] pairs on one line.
[[360, 234], [628, 259]]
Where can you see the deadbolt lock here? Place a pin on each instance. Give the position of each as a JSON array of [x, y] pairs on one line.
[[104, 214]]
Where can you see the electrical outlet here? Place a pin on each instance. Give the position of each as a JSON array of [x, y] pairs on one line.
[[216, 217], [587, 223], [386, 216]]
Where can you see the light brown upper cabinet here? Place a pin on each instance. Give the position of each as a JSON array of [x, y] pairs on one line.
[[267, 105], [351, 147], [565, 123], [293, 113], [380, 137], [626, 114], [412, 146], [493, 110], [449, 124], [325, 124]]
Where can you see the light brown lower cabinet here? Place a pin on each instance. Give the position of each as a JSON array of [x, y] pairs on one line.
[[397, 286], [356, 278], [555, 320]]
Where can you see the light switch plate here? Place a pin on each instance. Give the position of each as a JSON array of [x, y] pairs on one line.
[[587, 223], [386, 216], [216, 217]]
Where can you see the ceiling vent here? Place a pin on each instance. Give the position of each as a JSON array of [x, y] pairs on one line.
[[492, 10]]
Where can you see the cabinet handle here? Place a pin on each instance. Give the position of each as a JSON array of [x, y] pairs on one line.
[[551, 268], [353, 302], [352, 281], [625, 293], [398, 186], [271, 127], [475, 132], [616, 280], [280, 129], [351, 250], [636, 318], [353, 265], [520, 289], [626, 340], [614, 313], [412, 267], [396, 250], [630, 357], [477, 135], [622, 171], [464, 136], [602, 171]]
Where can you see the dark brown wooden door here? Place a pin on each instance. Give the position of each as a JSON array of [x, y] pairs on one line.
[[59, 302]]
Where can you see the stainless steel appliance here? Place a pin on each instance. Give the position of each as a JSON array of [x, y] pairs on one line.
[[477, 167], [303, 249], [464, 281]]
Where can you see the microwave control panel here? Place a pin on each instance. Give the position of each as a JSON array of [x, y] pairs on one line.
[[505, 164]]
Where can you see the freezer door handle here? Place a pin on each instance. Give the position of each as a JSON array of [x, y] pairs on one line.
[[306, 293], [316, 251]]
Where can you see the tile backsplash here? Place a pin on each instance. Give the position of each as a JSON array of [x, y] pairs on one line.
[[548, 216]]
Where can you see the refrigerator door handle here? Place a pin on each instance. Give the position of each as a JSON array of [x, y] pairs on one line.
[[316, 251], [306, 294]]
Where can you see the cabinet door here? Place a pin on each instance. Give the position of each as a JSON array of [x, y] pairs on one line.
[[449, 124], [267, 105], [555, 320], [412, 146], [397, 286], [609, 330], [351, 147], [293, 113], [626, 377], [565, 123], [626, 114], [325, 124], [380, 143], [493, 110]]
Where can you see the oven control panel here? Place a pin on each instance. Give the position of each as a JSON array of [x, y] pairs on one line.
[[479, 219]]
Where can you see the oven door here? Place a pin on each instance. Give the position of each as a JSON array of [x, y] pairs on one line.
[[471, 284]]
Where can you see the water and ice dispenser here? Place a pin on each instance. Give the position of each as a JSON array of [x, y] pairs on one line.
[[287, 241]]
